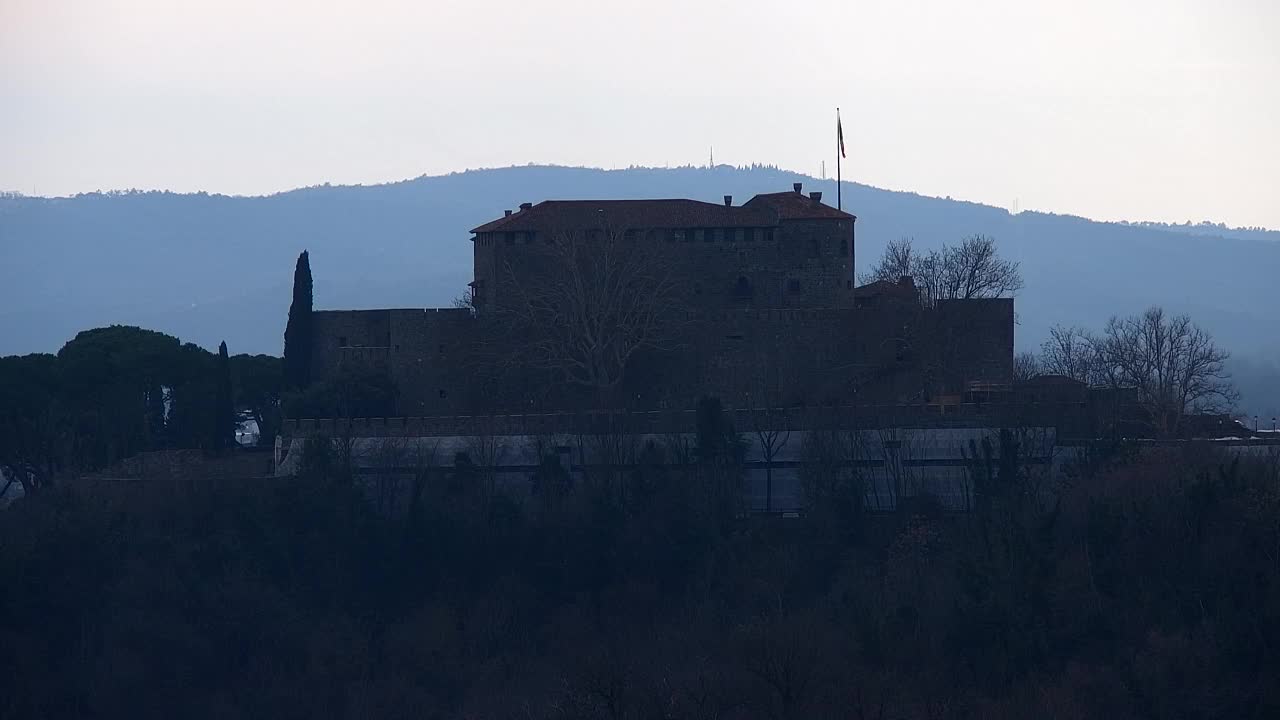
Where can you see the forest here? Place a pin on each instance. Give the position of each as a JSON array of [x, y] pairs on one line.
[[1145, 584]]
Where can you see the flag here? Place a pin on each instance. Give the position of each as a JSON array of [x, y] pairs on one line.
[[840, 133]]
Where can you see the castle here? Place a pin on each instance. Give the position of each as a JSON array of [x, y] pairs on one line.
[[650, 304]]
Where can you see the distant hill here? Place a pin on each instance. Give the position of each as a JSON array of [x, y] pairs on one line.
[[211, 267]]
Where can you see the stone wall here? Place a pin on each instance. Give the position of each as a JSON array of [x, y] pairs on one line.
[[1069, 419], [798, 264], [978, 336], [745, 356], [426, 351]]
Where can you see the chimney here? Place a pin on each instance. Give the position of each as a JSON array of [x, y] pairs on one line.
[[728, 201], [525, 206], [506, 213], [796, 187], [816, 196]]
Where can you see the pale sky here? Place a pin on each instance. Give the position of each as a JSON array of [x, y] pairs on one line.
[[1135, 109]]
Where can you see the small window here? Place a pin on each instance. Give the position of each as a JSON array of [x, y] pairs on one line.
[[342, 341], [443, 394], [509, 238], [739, 234], [756, 234], [697, 288], [630, 235], [768, 235], [793, 286], [441, 349], [844, 249], [742, 288], [678, 235]]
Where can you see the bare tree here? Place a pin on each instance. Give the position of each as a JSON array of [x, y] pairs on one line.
[[971, 270], [607, 450], [1025, 367], [424, 458], [772, 428], [1072, 352], [466, 301], [897, 262], [894, 448], [772, 425], [974, 269], [587, 303], [1172, 364], [486, 449]]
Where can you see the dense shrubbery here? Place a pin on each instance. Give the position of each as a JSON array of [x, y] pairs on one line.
[[1149, 588]]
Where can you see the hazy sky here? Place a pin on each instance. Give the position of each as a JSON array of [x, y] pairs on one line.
[[1165, 110]]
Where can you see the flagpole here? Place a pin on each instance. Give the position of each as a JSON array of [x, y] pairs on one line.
[[839, 200]]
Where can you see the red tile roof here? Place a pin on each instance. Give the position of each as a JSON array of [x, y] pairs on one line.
[[760, 211], [627, 214], [795, 206]]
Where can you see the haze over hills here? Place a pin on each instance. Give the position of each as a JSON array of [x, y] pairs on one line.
[[209, 268]]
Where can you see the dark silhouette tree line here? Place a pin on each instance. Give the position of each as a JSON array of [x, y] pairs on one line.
[[111, 393], [1146, 586]]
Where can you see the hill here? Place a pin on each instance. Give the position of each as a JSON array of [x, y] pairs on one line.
[[212, 267]]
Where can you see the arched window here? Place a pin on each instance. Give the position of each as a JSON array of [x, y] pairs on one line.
[[742, 288]]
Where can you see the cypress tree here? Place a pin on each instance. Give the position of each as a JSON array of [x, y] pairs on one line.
[[155, 416], [297, 333], [224, 430]]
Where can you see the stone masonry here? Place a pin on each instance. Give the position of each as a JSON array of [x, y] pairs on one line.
[[770, 315]]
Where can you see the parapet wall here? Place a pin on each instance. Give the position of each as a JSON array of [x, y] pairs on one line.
[[1070, 418], [743, 355]]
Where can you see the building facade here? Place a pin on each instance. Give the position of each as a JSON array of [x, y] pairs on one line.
[[762, 295]]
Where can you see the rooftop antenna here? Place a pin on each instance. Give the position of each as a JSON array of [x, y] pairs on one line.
[[712, 161]]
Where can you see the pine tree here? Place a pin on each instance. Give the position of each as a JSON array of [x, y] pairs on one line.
[[224, 416], [297, 334]]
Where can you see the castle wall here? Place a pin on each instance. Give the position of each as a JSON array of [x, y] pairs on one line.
[[818, 255], [797, 264], [763, 312], [349, 337], [978, 335], [427, 352], [745, 356]]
